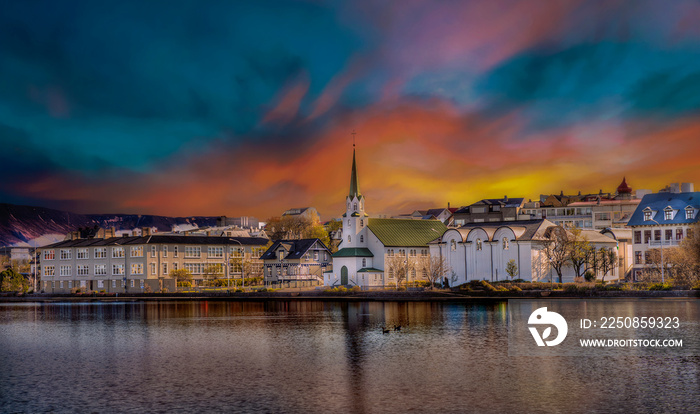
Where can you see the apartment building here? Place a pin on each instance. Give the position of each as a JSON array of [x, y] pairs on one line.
[[136, 264], [300, 261]]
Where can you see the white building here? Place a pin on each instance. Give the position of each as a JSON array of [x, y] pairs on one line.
[[369, 245]]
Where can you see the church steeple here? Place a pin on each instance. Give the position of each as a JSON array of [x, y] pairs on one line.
[[354, 184]]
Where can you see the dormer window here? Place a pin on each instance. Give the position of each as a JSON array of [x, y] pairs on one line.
[[689, 213], [668, 213], [647, 214], [281, 254]]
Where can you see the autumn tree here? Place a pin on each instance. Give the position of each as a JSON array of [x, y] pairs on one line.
[[13, 281], [512, 269], [181, 274], [294, 227], [436, 268], [213, 271], [606, 259]]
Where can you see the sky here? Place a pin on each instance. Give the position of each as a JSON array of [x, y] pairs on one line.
[[246, 108]]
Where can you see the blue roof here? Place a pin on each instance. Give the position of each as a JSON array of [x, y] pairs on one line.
[[659, 201]]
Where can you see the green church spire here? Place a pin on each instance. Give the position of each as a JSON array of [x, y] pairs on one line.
[[354, 183]]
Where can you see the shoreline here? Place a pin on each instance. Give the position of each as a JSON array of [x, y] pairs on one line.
[[376, 296]]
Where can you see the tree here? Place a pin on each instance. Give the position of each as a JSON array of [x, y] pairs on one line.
[[399, 266], [213, 271], [182, 274], [512, 269], [581, 251], [296, 227], [606, 259], [13, 281], [332, 227], [436, 268], [555, 248]]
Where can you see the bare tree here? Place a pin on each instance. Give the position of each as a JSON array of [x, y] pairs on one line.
[[555, 248], [436, 268], [606, 260], [399, 266], [581, 252]]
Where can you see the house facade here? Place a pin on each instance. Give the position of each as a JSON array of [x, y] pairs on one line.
[[661, 220], [301, 262], [139, 263], [371, 248], [491, 210], [481, 251]]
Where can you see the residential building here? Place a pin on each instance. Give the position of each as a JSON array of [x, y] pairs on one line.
[[444, 214], [370, 245], [491, 210], [301, 262], [131, 263], [662, 220], [308, 213], [479, 251]]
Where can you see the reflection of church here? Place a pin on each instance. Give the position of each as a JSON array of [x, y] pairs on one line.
[[368, 244]]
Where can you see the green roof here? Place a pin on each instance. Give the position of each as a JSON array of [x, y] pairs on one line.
[[405, 232], [369, 270], [354, 182], [353, 252]]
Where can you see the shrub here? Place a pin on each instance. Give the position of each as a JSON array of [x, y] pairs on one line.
[[661, 286], [263, 290], [589, 276], [696, 286], [520, 281], [356, 289], [571, 288], [515, 289]]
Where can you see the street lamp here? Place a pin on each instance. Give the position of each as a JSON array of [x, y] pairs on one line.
[[662, 249], [242, 257]]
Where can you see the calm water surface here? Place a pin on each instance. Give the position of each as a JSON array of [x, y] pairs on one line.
[[299, 356]]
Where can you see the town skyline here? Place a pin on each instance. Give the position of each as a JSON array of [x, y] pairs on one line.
[[229, 109]]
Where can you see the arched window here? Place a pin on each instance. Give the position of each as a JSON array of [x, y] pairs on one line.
[[362, 223], [362, 238], [453, 245], [505, 243], [348, 239], [354, 206], [478, 244]]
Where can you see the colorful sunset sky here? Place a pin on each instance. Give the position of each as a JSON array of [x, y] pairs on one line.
[[246, 108]]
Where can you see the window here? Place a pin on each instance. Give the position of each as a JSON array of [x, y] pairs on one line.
[[83, 270], [689, 213], [132, 282], [364, 262], [505, 243], [174, 251], [668, 235], [362, 238], [66, 254], [325, 256], [637, 257], [390, 252], [647, 236], [362, 223], [453, 245], [165, 268], [193, 252], [281, 254], [637, 237], [60, 284], [478, 244], [70, 284], [100, 284], [647, 215], [49, 271], [136, 251], [66, 270], [81, 254], [117, 269], [114, 283], [215, 252], [316, 255], [194, 268], [165, 251], [412, 252], [236, 252], [402, 252], [154, 251], [117, 252], [354, 206], [647, 257], [175, 266], [679, 234], [100, 269], [668, 214], [349, 239], [49, 254], [153, 268], [137, 268], [100, 252], [657, 235]]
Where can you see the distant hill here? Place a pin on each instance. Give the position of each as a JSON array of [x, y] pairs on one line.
[[24, 223]]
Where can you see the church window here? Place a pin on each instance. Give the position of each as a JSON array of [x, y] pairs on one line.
[[478, 244], [453, 245], [362, 223], [364, 262], [505, 243], [348, 239], [354, 207], [362, 238]]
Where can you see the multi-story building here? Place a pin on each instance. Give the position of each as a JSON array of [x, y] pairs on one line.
[[662, 220], [491, 210], [140, 263], [300, 261]]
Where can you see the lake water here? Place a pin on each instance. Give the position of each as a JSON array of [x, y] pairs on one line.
[[310, 356]]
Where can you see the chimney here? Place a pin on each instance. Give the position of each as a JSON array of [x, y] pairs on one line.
[[145, 231], [134, 233], [208, 232]]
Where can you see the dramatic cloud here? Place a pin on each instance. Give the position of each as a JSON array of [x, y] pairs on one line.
[[247, 108]]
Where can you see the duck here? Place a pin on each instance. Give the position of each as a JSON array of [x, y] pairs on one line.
[[397, 328], [384, 330]]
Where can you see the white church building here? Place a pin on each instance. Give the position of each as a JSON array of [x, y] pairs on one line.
[[370, 244]]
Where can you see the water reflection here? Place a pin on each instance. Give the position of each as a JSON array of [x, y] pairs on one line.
[[297, 356]]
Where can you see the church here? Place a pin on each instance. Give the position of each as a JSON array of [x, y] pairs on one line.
[[373, 251]]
